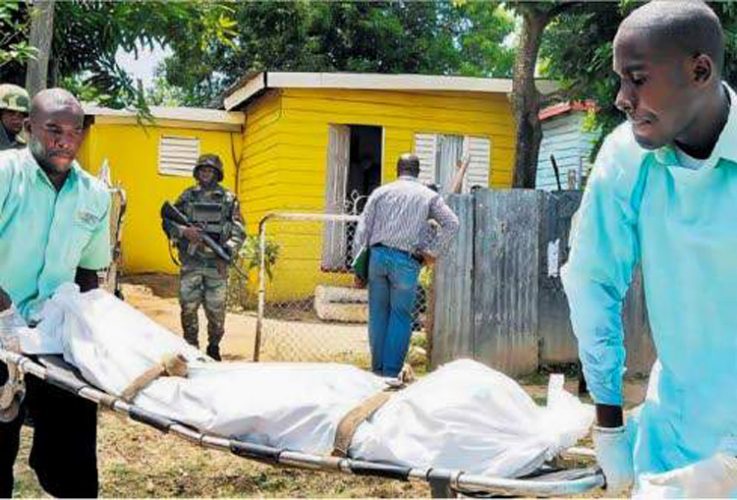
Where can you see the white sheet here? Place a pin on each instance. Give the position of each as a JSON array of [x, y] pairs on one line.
[[462, 416]]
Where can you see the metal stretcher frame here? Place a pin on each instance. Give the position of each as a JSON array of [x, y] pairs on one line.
[[54, 370]]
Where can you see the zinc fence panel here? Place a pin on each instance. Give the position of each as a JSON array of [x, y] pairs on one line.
[[505, 279], [452, 334]]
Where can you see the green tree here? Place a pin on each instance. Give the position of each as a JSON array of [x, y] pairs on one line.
[[14, 47], [482, 34], [381, 37], [88, 34], [536, 16], [578, 54]]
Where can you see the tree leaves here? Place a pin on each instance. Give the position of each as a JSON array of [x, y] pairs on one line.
[[89, 33], [377, 37], [14, 48]]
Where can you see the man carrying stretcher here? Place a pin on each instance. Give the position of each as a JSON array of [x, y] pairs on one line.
[[53, 229], [663, 194]]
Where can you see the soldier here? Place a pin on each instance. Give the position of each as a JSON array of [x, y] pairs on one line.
[[14, 104], [213, 210]]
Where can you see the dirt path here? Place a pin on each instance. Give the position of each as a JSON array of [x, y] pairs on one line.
[[156, 296]]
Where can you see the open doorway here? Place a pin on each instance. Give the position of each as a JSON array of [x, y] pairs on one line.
[[354, 171], [364, 166]]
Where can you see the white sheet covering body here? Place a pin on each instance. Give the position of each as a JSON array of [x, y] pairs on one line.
[[463, 416]]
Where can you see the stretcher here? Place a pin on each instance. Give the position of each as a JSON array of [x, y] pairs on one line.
[[552, 480]]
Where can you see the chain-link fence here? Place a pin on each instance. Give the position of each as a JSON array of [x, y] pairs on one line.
[[308, 307]]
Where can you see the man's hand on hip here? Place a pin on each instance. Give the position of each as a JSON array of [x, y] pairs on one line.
[[5, 301], [428, 259], [358, 282]]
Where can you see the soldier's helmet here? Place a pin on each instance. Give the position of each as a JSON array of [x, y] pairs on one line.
[[14, 98], [209, 160]]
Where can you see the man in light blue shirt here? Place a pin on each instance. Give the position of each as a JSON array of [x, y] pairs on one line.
[[663, 193], [54, 229]]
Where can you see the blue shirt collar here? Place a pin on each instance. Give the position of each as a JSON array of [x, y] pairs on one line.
[[40, 175], [726, 146]]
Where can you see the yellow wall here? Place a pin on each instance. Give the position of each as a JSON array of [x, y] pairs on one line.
[[132, 153], [285, 157]]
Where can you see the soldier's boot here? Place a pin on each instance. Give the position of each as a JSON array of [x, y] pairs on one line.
[[215, 312], [213, 350], [190, 326]]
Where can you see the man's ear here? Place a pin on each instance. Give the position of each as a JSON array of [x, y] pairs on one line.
[[702, 69], [27, 126]]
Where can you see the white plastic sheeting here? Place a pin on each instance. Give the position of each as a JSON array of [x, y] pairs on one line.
[[462, 416]]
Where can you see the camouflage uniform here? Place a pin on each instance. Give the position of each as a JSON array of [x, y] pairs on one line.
[[203, 276], [12, 98]]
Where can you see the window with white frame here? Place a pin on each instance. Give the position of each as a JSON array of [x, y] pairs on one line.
[[178, 155], [439, 154]]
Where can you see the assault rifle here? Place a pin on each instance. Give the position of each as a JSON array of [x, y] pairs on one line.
[[170, 212]]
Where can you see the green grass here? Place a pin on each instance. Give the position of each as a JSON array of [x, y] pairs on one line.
[[136, 461]]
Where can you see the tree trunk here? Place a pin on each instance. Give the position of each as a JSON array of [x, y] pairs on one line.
[[42, 32], [526, 99]]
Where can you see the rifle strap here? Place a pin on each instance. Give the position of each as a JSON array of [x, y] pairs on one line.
[[171, 254]]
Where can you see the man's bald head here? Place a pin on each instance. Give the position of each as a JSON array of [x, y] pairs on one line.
[[408, 164], [689, 26], [54, 100], [669, 57], [55, 130]]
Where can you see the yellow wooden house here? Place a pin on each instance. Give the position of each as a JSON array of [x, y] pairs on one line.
[[153, 163], [316, 142], [311, 143]]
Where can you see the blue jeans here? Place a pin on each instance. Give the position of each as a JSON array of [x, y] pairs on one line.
[[392, 284]]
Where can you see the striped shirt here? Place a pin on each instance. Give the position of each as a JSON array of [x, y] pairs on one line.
[[398, 215]]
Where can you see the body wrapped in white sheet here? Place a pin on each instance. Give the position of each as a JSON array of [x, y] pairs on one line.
[[462, 416]]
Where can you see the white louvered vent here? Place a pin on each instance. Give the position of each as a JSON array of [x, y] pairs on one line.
[[177, 155], [479, 168], [426, 150]]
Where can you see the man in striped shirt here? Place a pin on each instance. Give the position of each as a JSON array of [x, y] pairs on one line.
[[395, 225]]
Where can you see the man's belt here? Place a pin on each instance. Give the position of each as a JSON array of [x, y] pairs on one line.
[[413, 255]]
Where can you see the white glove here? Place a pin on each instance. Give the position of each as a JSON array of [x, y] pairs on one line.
[[614, 454], [711, 478]]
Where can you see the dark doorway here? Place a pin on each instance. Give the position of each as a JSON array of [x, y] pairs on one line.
[[364, 166], [364, 175]]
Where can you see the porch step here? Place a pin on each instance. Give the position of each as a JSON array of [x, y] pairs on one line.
[[336, 303]]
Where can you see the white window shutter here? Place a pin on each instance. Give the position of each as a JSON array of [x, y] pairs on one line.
[[426, 150], [178, 155], [479, 148]]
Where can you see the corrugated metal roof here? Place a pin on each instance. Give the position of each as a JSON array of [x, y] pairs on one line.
[[566, 107]]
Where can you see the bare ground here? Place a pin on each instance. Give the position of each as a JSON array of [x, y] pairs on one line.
[[156, 296], [137, 461]]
